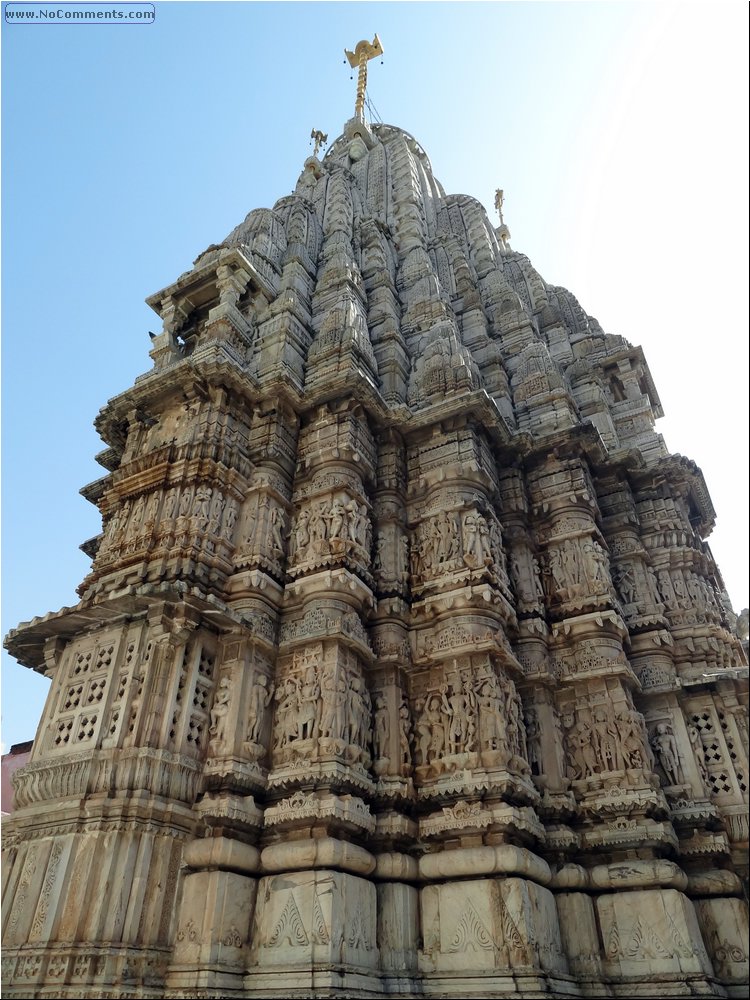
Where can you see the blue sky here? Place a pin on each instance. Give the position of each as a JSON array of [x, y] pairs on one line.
[[617, 131]]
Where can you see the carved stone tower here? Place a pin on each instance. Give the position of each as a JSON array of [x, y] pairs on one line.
[[403, 666]]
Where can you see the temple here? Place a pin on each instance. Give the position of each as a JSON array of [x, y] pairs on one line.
[[403, 666]]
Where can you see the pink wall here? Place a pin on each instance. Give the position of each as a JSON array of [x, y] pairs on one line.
[[17, 756]]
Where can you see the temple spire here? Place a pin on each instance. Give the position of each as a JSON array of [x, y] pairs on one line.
[[363, 52]]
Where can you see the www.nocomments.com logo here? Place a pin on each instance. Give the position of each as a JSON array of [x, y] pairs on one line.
[[79, 13]]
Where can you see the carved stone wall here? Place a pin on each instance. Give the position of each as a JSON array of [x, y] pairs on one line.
[[403, 665]]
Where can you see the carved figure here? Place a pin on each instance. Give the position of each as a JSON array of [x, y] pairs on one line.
[[380, 728], [309, 706], [381, 547], [515, 727], [456, 708], [632, 740], [335, 518], [415, 557], [440, 533], [169, 503], [260, 698], [696, 745], [433, 721], [219, 709], [302, 534], [137, 515], [363, 532], [352, 516], [595, 564], [472, 538], [334, 701], [517, 576], [496, 548], [678, 585], [185, 501], [328, 700], [287, 698], [201, 507], [695, 592], [277, 525], [230, 519], [625, 582], [533, 741], [423, 731], [403, 563], [151, 509], [582, 754], [404, 732], [665, 746], [666, 590], [607, 741], [555, 563], [569, 554], [217, 509], [113, 527], [358, 712], [536, 576], [489, 704]]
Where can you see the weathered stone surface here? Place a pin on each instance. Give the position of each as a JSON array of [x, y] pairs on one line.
[[403, 666]]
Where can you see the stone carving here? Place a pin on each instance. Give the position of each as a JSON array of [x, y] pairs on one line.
[[577, 568], [476, 540], [526, 576], [220, 710], [260, 698], [380, 730], [696, 745], [665, 747], [533, 741], [331, 528], [321, 708], [303, 756], [580, 748], [404, 734]]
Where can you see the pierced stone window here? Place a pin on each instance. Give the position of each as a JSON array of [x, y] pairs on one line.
[[81, 663], [73, 698], [188, 730], [86, 728], [96, 691], [719, 783], [63, 731], [179, 696], [732, 751], [81, 698], [104, 657], [718, 752]]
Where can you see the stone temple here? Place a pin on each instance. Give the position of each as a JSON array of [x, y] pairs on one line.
[[403, 666]]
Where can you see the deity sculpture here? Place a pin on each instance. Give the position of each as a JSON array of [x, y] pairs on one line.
[[308, 707], [380, 727], [219, 709], [665, 746], [404, 732], [277, 525], [260, 698]]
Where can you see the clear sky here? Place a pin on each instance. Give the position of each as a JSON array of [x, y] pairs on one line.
[[618, 132]]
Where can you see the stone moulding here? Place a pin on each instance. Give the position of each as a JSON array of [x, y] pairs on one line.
[[403, 666]]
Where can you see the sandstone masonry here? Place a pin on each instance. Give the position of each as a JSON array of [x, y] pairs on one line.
[[403, 666]]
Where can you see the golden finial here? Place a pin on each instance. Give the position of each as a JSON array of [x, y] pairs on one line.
[[363, 52], [319, 138], [499, 198]]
